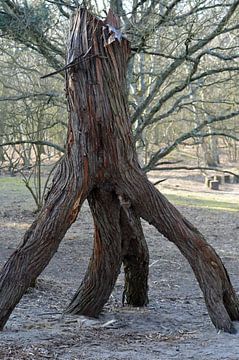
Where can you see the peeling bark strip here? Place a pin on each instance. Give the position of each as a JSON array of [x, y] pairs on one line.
[[100, 163]]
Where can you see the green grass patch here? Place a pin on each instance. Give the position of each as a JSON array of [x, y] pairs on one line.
[[8, 183], [13, 191], [211, 204], [14, 188]]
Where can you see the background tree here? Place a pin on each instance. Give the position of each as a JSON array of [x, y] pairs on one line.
[[32, 118], [182, 74]]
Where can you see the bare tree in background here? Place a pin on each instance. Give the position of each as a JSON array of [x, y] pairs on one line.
[[182, 73]]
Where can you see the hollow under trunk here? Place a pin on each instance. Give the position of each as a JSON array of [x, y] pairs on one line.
[[100, 164]]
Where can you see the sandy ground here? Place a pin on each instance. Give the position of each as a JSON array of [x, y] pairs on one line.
[[175, 325]]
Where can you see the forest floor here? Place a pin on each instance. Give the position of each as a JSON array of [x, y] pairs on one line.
[[175, 324]]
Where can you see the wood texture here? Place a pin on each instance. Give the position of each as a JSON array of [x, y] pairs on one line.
[[220, 297], [106, 259], [100, 164]]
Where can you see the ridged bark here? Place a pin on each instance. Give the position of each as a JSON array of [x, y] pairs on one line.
[[101, 163], [135, 258], [220, 297], [106, 259], [42, 239], [118, 237]]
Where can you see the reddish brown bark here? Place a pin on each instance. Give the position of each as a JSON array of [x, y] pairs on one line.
[[101, 164], [42, 239], [106, 259], [118, 236], [220, 297]]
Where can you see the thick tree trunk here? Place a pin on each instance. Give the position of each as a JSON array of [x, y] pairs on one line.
[[42, 239], [220, 297], [117, 237], [106, 259], [101, 163]]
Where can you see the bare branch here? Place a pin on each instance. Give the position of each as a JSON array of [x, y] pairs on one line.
[[190, 134], [195, 168], [16, 17], [221, 56], [27, 96], [168, 95], [155, 53], [182, 58], [218, 133], [148, 119], [35, 142]]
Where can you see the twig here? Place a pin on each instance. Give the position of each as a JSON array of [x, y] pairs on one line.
[[153, 263], [159, 181], [194, 168]]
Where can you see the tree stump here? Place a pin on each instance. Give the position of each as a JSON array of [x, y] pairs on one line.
[[214, 185], [235, 179], [227, 179], [217, 178], [100, 163], [208, 179]]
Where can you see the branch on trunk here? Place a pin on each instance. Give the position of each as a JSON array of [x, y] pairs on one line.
[[154, 53]]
